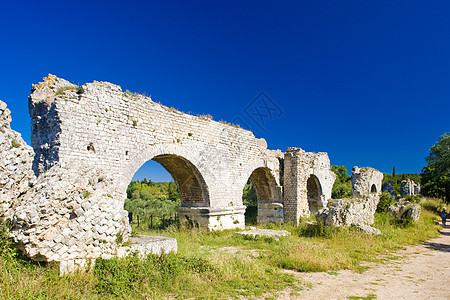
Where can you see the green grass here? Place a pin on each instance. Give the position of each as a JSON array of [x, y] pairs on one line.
[[61, 90], [212, 265]]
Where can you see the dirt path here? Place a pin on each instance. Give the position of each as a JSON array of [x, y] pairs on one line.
[[423, 272]]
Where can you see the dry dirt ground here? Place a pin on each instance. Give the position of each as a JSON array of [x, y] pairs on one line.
[[422, 272]]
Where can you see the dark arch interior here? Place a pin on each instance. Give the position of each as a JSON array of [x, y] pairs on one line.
[[373, 189], [265, 185], [192, 188], [314, 194]]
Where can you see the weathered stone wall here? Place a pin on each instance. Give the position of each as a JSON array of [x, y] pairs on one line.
[[308, 182], [408, 187], [365, 181], [16, 157], [347, 212], [358, 211], [118, 132], [70, 217]]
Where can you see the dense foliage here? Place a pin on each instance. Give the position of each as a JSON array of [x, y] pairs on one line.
[[147, 198], [386, 200], [342, 187], [436, 174]]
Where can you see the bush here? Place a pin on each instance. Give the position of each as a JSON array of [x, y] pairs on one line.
[[386, 200], [413, 198]]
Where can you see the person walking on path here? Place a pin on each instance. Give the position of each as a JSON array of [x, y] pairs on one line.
[[444, 217]]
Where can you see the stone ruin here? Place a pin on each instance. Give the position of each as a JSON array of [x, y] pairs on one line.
[[366, 181], [358, 211], [63, 198], [409, 188]]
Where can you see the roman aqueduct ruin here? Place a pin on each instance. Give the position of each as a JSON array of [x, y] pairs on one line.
[[64, 196]]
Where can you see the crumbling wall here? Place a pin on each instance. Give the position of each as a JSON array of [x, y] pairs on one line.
[[366, 181], [408, 187], [69, 217], [299, 168], [348, 212], [16, 157], [358, 211]]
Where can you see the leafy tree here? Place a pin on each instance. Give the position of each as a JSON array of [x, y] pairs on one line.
[[385, 201], [342, 187], [436, 174], [145, 198]]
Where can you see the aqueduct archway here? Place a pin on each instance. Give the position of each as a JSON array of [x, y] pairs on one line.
[[269, 196], [191, 184], [315, 195], [210, 161], [88, 143]]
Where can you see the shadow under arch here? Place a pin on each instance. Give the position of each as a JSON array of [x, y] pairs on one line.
[[268, 194], [179, 163], [314, 194], [373, 189]]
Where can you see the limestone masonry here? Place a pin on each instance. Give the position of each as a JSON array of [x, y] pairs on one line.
[[64, 200]]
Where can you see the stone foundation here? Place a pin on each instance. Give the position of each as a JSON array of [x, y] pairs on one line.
[[214, 218]]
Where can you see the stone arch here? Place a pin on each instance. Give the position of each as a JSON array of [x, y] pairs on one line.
[[314, 194], [373, 189], [268, 194], [181, 164]]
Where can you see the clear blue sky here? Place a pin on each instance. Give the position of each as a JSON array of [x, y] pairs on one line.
[[366, 81]]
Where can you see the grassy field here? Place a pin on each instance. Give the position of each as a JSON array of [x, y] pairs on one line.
[[211, 265]]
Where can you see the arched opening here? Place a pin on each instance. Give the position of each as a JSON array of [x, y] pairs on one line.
[[192, 187], [178, 184], [314, 194], [262, 196], [373, 189]]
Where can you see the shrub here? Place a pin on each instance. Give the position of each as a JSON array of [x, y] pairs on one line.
[[413, 198], [61, 90], [386, 200], [15, 144]]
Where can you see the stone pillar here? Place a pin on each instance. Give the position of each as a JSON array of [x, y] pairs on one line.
[[295, 195]]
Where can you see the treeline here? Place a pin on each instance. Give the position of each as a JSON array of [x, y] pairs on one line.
[[146, 198], [342, 187]]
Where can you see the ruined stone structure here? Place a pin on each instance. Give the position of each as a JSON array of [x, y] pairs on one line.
[[89, 141], [16, 175], [358, 211], [408, 187], [306, 176], [365, 181]]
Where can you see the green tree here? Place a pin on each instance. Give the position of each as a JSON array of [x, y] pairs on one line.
[[436, 174], [342, 187]]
